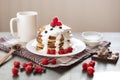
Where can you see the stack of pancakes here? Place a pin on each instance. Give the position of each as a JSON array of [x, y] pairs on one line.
[[51, 43], [40, 45], [54, 40], [61, 43]]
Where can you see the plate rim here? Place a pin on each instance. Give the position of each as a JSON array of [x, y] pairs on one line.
[[48, 55]]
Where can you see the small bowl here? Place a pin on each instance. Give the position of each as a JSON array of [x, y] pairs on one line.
[[92, 38]]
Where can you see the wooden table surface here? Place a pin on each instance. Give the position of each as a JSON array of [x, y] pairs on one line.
[[73, 72]]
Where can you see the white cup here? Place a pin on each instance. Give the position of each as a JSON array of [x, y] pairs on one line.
[[26, 25]]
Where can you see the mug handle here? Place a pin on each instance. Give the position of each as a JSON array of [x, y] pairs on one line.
[[11, 25]]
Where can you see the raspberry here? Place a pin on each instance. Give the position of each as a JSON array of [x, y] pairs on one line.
[[92, 63], [59, 23], [85, 66], [30, 63], [15, 71], [24, 65], [51, 52], [38, 69], [61, 51], [45, 61], [55, 19], [48, 52], [65, 51], [16, 63], [90, 70], [53, 61], [28, 69], [53, 24], [70, 49]]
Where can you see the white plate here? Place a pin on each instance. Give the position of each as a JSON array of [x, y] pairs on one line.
[[78, 46]]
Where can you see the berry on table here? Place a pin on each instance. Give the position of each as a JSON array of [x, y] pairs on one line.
[[30, 63], [92, 63], [85, 66], [90, 70], [24, 65], [38, 69], [28, 69], [16, 63], [15, 71]]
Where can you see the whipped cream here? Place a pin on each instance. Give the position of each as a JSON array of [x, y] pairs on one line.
[[56, 31]]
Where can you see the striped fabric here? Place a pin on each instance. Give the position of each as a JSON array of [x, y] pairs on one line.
[[5, 45]]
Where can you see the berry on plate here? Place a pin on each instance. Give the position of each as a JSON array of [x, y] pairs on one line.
[[70, 49], [65, 51], [61, 51], [51, 52]]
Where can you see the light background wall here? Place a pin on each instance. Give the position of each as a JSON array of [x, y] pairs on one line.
[[80, 15]]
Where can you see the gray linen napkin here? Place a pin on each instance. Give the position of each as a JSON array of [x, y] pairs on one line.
[[6, 43]]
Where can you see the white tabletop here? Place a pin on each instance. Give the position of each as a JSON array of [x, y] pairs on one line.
[[70, 73]]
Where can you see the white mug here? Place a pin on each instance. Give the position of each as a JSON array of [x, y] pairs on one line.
[[26, 25]]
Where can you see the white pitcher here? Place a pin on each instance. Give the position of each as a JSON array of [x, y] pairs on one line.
[[26, 25]]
